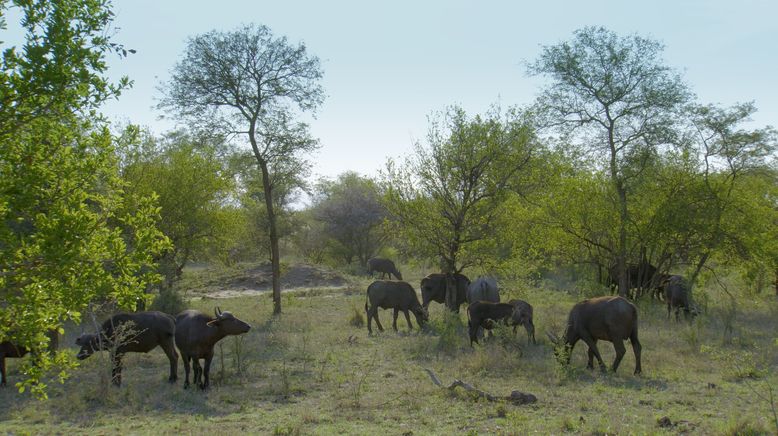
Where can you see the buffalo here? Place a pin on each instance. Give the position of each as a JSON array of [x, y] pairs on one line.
[[612, 319], [138, 332], [433, 288], [384, 266], [483, 289], [197, 333], [677, 297], [484, 314], [10, 349], [522, 315], [640, 277], [399, 296]]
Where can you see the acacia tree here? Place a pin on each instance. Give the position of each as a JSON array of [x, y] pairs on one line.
[[446, 198], [249, 83], [612, 96], [69, 234]]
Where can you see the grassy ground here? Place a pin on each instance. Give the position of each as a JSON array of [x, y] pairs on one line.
[[312, 371]]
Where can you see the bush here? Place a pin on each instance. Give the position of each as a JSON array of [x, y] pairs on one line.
[[357, 319], [170, 301]]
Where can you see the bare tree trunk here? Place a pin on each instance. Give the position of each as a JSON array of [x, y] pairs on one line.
[[275, 260]]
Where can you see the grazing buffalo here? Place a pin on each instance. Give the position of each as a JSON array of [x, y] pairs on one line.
[[483, 289], [384, 266], [399, 296], [522, 315], [138, 332], [433, 288], [640, 277], [612, 319], [197, 333], [10, 349], [484, 314], [677, 296]]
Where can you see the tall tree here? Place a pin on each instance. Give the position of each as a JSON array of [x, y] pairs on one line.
[[249, 82], [69, 234], [613, 96], [446, 198]]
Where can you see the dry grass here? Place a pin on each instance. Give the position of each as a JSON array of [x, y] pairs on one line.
[[312, 371]]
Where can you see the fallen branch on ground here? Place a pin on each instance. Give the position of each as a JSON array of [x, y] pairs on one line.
[[515, 397]]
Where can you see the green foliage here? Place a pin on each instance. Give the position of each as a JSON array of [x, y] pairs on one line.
[[445, 200], [169, 300], [192, 185], [71, 234], [351, 214]]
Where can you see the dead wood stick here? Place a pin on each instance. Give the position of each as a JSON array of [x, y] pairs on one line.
[[515, 397]]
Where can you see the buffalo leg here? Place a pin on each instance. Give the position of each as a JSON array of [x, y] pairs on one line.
[[198, 371], [116, 371], [377, 321], [186, 358], [636, 348], [172, 356], [369, 320], [530, 328], [592, 343], [2, 372], [408, 318], [590, 356], [618, 345], [207, 371], [394, 319]]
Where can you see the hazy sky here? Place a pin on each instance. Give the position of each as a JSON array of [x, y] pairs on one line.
[[387, 65]]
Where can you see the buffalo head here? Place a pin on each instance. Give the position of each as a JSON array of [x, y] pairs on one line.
[[227, 322]]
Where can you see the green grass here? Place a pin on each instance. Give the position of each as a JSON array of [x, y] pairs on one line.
[[312, 370]]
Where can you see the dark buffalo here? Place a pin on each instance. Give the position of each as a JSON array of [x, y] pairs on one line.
[[612, 319], [640, 277], [399, 296], [197, 333], [10, 349], [676, 293], [433, 288], [485, 314], [522, 315], [138, 332], [384, 266]]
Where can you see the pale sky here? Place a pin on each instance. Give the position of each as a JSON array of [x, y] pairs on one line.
[[388, 65]]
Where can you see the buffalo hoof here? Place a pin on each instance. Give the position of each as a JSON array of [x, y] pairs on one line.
[[203, 387], [186, 385], [172, 379]]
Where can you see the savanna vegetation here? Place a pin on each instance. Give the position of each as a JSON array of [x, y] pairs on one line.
[[616, 167]]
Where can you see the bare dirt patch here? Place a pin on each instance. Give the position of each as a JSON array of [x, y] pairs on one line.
[[257, 279]]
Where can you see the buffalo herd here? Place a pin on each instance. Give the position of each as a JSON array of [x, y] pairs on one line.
[[612, 319]]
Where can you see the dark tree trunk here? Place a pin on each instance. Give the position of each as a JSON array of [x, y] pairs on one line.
[[275, 260]]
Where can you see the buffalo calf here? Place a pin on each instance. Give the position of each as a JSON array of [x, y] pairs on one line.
[[677, 297], [522, 315], [197, 333], [612, 319], [399, 296], [484, 314]]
